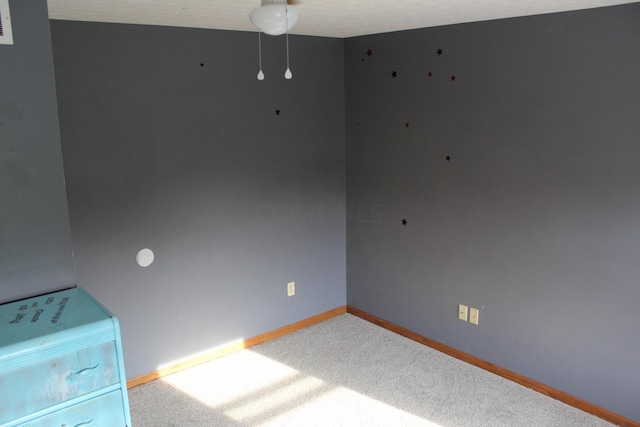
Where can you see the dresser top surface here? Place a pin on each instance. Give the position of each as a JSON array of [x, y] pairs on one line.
[[47, 314]]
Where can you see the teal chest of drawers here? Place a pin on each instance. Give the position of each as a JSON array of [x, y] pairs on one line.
[[61, 363]]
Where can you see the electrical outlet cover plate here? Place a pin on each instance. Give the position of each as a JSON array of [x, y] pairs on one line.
[[291, 289], [462, 312], [475, 314]]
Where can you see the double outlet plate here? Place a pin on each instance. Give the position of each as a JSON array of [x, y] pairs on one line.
[[468, 315]]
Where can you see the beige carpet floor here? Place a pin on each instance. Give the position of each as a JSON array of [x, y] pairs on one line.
[[344, 372]]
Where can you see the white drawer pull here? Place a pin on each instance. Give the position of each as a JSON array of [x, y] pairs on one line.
[[83, 371]]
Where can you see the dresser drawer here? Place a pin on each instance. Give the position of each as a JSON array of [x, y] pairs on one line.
[[39, 386], [103, 411]]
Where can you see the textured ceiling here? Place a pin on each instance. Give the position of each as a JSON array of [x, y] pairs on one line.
[[330, 18]]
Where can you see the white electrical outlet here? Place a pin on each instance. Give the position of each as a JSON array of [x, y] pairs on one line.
[[291, 289], [473, 317], [463, 310]]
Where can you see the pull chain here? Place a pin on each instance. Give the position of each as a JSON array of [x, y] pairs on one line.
[[260, 73], [287, 74]]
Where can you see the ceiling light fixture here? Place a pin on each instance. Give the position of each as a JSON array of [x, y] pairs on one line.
[[274, 17]]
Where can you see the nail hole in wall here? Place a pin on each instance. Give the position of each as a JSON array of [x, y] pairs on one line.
[[145, 257]]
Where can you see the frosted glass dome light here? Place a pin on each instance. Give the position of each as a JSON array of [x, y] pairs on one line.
[[274, 17]]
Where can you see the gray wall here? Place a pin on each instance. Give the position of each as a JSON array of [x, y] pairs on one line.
[[35, 244], [193, 162], [535, 220]]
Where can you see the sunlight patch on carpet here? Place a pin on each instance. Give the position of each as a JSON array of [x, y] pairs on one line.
[[254, 390]]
